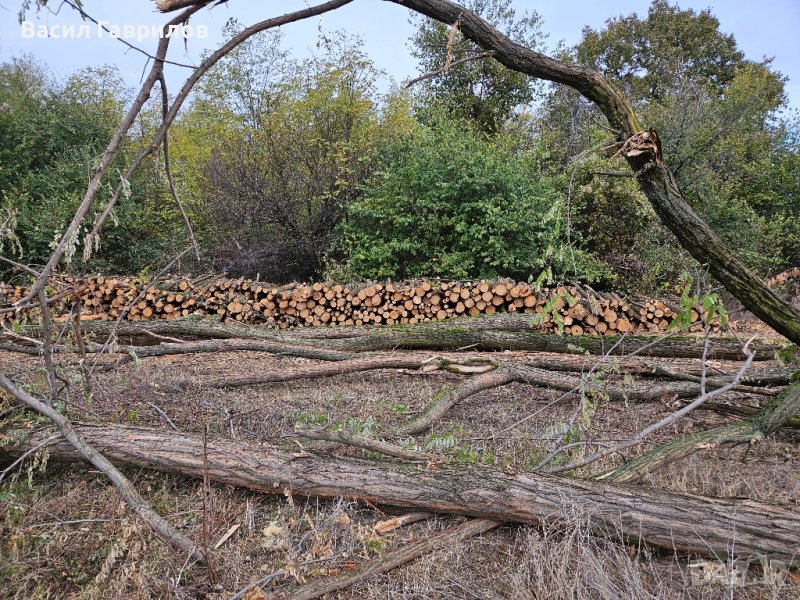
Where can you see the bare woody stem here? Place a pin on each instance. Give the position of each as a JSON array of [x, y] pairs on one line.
[[759, 425], [170, 115], [410, 82], [108, 157], [668, 420], [187, 224], [125, 488]]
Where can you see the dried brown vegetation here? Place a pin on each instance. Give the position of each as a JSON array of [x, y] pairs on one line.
[[493, 430], [48, 549]]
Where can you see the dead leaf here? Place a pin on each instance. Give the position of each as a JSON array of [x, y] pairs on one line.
[[255, 593], [274, 536]]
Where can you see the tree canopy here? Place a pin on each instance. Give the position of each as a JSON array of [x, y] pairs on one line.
[[290, 167]]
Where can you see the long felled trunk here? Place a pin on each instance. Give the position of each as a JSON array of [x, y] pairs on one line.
[[672, 521], [504, 333]]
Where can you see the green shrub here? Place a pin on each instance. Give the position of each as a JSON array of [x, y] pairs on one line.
[[448, 202]]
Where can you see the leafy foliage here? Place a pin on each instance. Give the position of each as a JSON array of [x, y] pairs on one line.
[[481, 91], [293, 169], [279, 183], [447, 202], [649, 56], [50, 136], [718, 117]]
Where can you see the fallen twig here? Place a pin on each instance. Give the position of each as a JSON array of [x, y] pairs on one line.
[[393, 560], [365, 443], [129, 493]]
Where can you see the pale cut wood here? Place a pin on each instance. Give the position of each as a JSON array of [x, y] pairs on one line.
[[573, 311]]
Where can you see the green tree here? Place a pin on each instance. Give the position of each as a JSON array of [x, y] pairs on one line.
[[51, 135], [448, 202], [482, 91], [717, 114], [299, 146], [648, 56]]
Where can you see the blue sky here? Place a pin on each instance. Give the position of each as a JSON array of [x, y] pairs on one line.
[[765, 28]]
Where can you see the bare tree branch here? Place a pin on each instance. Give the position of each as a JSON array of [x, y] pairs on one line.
[[130, 305], [125, 488], [447, 67], [84, 15], [20, 266], [365, 443], [47, 350], [168, 172], [106, 159], [668, 420], [201, 70], [392, 560], [33, 450]]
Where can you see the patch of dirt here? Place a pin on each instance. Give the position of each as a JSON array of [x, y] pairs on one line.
[[65, 533]]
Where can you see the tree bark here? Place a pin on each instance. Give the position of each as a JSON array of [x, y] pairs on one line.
[[668, 520], [462, 334], [475, 334], [447, 398], [643, 153], [358, 365], [204, 346], [503, 332], [758, 426]]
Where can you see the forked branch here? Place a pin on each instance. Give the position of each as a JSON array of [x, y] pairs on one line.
[[87, 451]]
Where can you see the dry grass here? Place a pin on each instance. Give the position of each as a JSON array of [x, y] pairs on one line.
[[46, 553]]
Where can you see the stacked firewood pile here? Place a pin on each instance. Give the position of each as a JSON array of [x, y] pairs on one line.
[[787, 279], [575, 310]]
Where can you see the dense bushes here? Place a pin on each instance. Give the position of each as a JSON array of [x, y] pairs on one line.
[[297, 168], [51, 135], [448, 202]]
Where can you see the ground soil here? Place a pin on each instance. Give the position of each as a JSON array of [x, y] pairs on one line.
[[65, 533]]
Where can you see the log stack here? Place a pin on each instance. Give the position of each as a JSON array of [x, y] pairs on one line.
[[787, 279], [574, 310]]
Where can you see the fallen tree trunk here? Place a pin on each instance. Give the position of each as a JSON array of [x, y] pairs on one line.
[[504, 332], [462, 335], [455, 339], [460, 338], [427, 364], [668, 520], [84, 450], [232, 345]]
